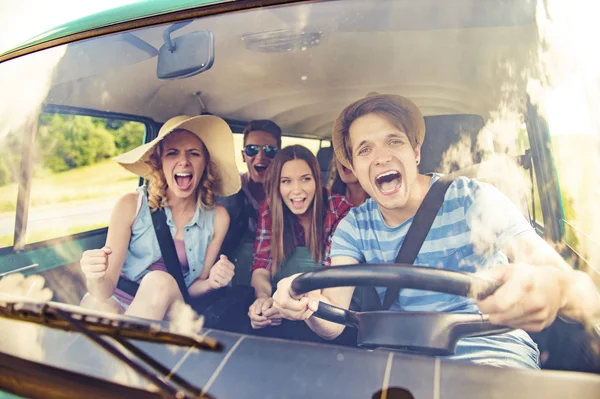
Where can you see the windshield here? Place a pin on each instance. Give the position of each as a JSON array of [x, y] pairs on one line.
[[507, 91]]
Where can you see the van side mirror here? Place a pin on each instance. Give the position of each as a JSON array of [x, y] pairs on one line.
[[186, 55]]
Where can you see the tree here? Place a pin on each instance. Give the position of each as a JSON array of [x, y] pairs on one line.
[[69, 141], [5, 176], [10, 157], [128, 136]]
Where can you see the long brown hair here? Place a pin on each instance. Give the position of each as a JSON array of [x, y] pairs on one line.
[[157, 189], [282, 244]]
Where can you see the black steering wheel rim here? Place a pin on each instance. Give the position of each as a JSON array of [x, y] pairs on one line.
[[436, 333], [389, 275], [403, 275]]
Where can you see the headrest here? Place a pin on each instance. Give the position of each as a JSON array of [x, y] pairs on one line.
[[324, 156], [443, 131]]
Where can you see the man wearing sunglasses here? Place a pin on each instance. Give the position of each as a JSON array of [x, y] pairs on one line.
[[262, 139]]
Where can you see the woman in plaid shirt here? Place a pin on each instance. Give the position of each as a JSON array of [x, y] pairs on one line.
[[298, 212]]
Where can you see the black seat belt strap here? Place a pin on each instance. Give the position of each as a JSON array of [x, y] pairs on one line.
[[169, 253], [418, 230]]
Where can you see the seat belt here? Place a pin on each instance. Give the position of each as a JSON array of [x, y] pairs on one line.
[[169, 253], [418, 230]]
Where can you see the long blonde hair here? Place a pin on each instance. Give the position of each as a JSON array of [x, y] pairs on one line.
[[157, 189], [282, 244]]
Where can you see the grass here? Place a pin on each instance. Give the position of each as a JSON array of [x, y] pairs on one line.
[[102, 180]]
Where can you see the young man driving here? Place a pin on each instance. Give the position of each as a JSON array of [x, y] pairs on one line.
[[477, 228]]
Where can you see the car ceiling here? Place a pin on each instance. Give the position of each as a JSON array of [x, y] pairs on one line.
[[452, 60]]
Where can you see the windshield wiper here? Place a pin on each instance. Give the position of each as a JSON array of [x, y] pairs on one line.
[[46, 313], [94, 325]]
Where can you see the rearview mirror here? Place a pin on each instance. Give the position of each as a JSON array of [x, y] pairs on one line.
[[186, 55]]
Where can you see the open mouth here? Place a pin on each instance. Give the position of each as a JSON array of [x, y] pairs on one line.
[[298, 203], [346, 171], [261, 168], [389, 182], [183, 180]]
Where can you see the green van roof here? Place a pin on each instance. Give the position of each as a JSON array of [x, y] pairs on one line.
[[129, 12]]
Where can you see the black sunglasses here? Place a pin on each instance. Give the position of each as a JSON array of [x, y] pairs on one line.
[[252, 149]]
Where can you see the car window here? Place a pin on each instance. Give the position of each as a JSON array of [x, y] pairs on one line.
[[311, 144], [478, 148], [75, 183], [576, 166], [238, 142], [528, 196], [10, 165], [522, 150]]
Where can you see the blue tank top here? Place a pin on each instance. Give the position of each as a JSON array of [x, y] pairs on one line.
[[143, 248]]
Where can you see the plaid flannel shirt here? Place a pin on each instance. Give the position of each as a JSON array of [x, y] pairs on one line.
[[337, 207]]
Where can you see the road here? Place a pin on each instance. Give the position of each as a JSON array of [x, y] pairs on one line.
[[63, 216]]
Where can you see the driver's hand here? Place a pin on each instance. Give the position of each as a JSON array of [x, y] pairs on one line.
[[529, 298], [263, 314], [292, 306]]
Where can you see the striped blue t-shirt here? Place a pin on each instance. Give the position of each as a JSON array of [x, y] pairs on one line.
[[473, 224]]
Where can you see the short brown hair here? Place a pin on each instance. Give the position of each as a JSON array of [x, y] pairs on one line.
[[398, 110], [263, 125]]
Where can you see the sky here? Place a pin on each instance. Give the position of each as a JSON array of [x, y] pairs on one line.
[[18, 23]]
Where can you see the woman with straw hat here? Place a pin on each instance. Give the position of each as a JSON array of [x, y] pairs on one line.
[[190, 162]]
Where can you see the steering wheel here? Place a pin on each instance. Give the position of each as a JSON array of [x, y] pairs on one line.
[[431, 333]]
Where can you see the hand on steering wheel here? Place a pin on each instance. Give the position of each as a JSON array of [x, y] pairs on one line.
[[292, 306], [431, 333]]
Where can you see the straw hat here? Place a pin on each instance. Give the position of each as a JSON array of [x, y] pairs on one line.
[[216, 136], [416, 123]]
